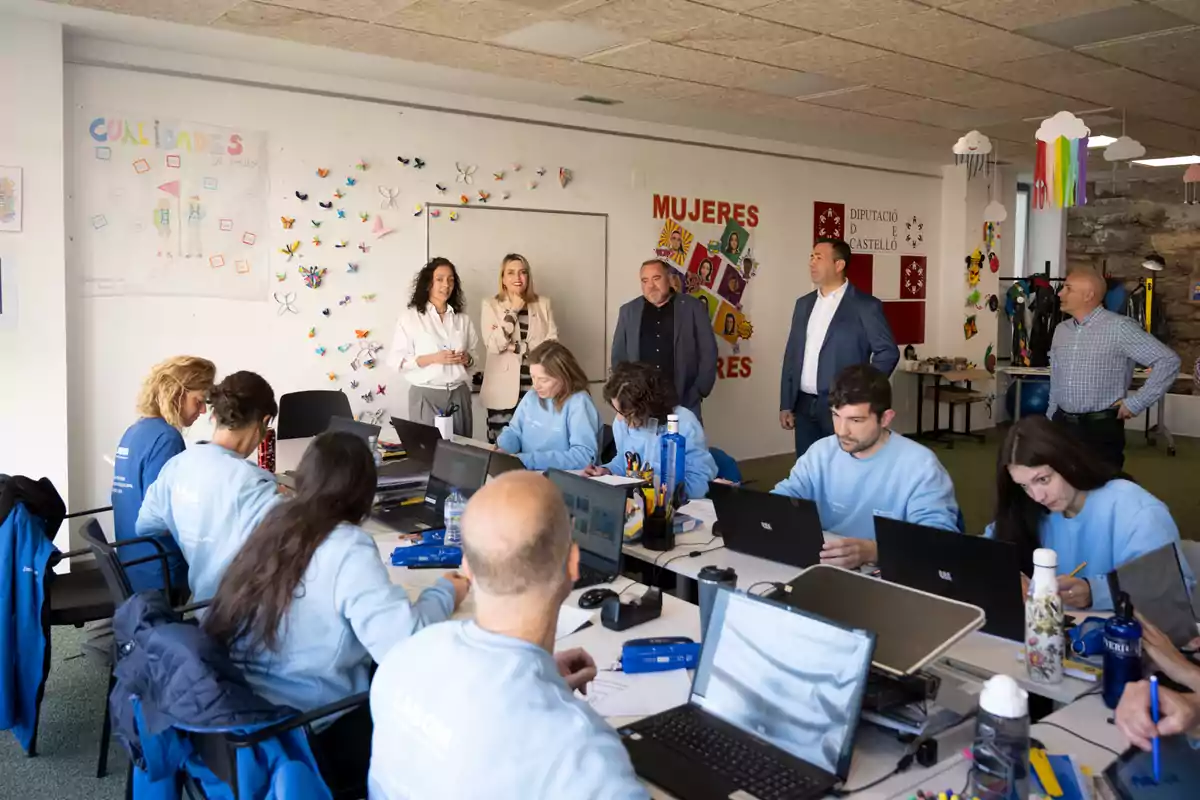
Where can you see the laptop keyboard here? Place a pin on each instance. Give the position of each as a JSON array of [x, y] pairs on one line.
[[749, 768]]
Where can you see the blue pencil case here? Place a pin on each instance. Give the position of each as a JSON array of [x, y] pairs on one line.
[[424, 555]]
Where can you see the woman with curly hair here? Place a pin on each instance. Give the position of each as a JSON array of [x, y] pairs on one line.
[[209, 497], [434, 347], [172, 398], [642, 399]]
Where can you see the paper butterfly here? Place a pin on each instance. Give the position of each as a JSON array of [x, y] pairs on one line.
[[353, 384], [379, 229], [285, 303], [363, 246], [403, 160], [380, 389], [326, 204], [515, 167], [312, 276], [344, 300], [541, 171], [322, 172], [441, 189], [462, 198], [288, 222], [339, 194], [362, 166], [316, 223], [499, 176], [417, 211], [483, 196], [324, 312], [363, 216], [369, 397], [419, 163], [301, 196], [290, 250], [454, 216], [351, 181], [281, 276], [320, 351], [370, 298], [389, 194], [312, 332], [372, 417], [344, 347], [532, 184], [316, 240], [505, 195], [341, 243], [341, 212], [565, 176], [435, 212], [466, 173], [361, 334], [331, 375], [352, 267]]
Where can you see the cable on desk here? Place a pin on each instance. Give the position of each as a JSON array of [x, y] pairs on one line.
[[1077, 736], [907, 759]]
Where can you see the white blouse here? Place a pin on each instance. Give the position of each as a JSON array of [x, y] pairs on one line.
[[423, 334]]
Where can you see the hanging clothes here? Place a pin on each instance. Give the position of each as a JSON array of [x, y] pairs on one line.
[[1044, 316], [1014, 307], [1135, 308]]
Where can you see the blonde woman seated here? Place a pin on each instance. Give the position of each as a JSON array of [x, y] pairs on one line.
[[513, 323], [556, 425]]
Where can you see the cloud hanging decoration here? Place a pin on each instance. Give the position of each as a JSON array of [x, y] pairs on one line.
[[1064, 124], [1060, 167], [995, 212], [1124, 149], [973, 143]]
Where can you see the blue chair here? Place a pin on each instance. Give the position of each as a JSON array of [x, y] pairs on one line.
[[727, 467], [961, 522]]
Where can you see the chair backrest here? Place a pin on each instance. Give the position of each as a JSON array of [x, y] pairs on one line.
[[1191, 554], [727, 467], [303, 414], [109, 562], [607, 446]]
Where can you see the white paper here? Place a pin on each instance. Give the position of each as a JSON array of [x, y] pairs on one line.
[[702, 510], [571, 619], [617, 480], [615, 694]]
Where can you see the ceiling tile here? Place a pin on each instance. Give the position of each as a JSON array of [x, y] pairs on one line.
[[560, 37], [1187, 114], [929, 112], [813, 54], [743, 37], [914, 33], [535, 5], [1030, 70], [191, 12], [655, 58], [654, 19], [1102, 26], [999, 94], [366, 10], [1187, 9], [462, 20], [259, 19], [1170, 55], [739, 5], [1118, 87], [864, 98], [1166, 135], [1013, 14], [994, 46], [830, 16]]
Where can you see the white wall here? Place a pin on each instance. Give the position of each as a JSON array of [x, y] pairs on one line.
[[33, 360], [1047, 241]]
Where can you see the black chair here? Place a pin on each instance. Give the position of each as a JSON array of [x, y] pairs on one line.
[[607, 446], [304, 414]]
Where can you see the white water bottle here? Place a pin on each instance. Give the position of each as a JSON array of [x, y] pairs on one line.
[[1044, 620]]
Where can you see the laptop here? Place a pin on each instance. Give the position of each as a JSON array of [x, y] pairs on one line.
[[970, 569], [773, 710], [770, 526], [597, 512], [420, 441], [363, 430], [911, 627], [501, 463], [453, 465]]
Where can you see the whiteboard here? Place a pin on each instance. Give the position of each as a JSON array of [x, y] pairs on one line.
[[567, 254]]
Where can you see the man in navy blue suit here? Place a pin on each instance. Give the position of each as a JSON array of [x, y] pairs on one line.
[[833, 327]]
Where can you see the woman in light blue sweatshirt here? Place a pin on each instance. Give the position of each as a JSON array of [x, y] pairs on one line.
[[1053, 491], [556, 426], [643, 398], [307, 604]]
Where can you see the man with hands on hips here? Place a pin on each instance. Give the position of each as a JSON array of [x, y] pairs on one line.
[[865, 470]]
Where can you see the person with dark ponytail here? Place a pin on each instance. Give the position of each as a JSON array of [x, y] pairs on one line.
[[209, 497], [1054, 491], [306, 605]]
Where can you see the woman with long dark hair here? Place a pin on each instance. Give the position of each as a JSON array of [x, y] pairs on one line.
[[434, 347], [307, 605], [1053, 491]]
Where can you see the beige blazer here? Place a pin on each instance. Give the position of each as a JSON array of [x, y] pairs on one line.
[[502, 370]]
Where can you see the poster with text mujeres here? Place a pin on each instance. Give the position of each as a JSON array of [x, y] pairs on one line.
[[170, 207]]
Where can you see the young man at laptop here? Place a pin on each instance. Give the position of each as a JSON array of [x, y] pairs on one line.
[[865, 470], [484, 709]]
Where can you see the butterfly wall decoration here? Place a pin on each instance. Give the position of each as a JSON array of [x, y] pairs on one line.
[[286, 304], [418, 163], [301, 196], [351, 181], [322, 172], [326, 204], [288, 222], [389, 194], [290, 250], [466, 173], [312, 276]]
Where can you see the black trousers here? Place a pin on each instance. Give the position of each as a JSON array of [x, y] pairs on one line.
[[1103, 432], [343, 752], [814, 421]]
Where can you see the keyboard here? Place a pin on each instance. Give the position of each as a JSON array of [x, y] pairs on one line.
[[685, 730], [592, 577]]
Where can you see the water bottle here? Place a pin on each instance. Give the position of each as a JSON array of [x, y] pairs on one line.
[[1000, 754], [1122, 650], [453, 511], [1044, 620], [372, 442], [674, 446]]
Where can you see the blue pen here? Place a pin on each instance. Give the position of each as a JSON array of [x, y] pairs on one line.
[[1157, 752]]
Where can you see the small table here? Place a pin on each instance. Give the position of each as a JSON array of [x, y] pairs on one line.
[[954, 396]]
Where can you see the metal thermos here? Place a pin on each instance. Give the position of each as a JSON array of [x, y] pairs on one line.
[[710, 579], [1122, 650]]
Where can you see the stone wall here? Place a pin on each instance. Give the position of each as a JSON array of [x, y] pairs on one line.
[[1117, 228]]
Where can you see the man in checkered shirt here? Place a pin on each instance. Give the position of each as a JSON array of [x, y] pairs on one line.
[[1091, 365]]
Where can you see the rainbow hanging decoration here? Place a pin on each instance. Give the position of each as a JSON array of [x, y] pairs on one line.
[[1060, 171]]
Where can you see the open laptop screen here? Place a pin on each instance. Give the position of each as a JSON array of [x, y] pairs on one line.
[[597, 512], [455, 465], [783, 676]]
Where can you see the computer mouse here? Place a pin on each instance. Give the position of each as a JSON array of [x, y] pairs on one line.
[[594, 598]]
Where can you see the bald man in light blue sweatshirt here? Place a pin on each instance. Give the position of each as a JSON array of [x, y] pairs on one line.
[[865, 470]]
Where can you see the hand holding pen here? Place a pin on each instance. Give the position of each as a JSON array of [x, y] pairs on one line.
[[1177, 714]]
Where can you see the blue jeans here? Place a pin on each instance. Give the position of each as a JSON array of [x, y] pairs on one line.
[[814, 421]]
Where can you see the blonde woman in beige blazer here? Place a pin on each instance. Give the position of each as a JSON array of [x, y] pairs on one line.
[[513, 322]]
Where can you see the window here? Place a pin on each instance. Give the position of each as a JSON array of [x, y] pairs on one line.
[[1021, 236]]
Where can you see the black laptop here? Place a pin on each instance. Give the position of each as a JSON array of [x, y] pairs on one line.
[[454, 465], [597, 513], [773, 711], [770, 526], [970, 569], [501, 463]]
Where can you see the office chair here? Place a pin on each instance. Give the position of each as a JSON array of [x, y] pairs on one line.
[[304, 414]]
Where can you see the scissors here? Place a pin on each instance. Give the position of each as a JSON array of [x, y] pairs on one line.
[[633, 462]]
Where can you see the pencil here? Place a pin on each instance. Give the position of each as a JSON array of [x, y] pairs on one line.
[[1077, 570]]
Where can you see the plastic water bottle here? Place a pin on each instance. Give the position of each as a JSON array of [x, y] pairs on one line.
[[1044, 620], [1122, 650], [373, 443], [1000, 754], [674, 446], [453, 511]]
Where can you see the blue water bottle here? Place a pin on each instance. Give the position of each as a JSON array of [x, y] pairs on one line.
[[1122, 650], [452, 511], [674, 446]]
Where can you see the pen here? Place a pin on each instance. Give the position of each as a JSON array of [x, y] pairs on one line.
[[1157, 752], [1077, 570]]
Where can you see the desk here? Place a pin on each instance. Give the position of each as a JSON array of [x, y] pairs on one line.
[[966, 376]]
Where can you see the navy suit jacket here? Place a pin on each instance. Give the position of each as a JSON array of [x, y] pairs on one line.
[[695, 347], [858, 334]]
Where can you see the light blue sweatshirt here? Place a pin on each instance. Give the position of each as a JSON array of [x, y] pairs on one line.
[[1119, 522], [544, 437], [698, 466], [462, 713], [903, 481], [210, 499], [346, 613]]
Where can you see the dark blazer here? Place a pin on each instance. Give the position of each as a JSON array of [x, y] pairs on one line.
[[695, 347], [858, 334]]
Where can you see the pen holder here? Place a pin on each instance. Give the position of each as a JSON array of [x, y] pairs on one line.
[[445, 426], [658, 532]]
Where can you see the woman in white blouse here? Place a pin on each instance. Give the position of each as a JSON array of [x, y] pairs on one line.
[[434, 348], [514, 322]]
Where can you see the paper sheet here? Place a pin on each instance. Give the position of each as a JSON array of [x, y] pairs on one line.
[[615, 694], [571, 619]]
